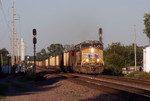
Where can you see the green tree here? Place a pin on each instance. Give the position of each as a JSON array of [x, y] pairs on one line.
[[126, 52], [42, 55], [114, 60], [116, 48], [55, 49], [4, 52], [119, 49], [147, 24]]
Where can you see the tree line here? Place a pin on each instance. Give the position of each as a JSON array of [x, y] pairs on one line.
[[118, 56]]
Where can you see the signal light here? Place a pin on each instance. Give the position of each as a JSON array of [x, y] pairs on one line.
[[34, 32], [34, 40], [100, 31]]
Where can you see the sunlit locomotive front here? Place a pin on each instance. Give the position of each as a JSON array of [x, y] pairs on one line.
[[90, 57]]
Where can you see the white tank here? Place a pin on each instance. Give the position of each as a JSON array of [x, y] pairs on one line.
[[22, 50], [146, 59]]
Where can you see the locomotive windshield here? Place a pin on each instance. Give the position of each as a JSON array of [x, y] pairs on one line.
[[91, 45]]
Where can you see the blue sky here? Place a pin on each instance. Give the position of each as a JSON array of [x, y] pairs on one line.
[[74, 21]]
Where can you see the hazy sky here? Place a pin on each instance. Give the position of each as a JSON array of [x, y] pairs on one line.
[[73, 21]]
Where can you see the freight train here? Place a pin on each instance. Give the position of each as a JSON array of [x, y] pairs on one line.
[[86, 57]]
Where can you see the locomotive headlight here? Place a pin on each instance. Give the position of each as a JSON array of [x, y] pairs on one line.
[[87, 60], [98, 60], [92, 50]]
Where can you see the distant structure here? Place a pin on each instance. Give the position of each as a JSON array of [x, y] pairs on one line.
[[146, 59], [22, 50]]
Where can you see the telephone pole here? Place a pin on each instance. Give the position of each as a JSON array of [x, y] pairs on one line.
[[135, 47], [13, 50]]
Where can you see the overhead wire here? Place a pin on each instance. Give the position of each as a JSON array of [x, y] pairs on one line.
[[6, 21], [3, 35]]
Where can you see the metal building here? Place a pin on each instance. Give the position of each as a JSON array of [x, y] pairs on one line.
[[146, 59]]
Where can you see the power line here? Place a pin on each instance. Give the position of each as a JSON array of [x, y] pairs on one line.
[[1, 6]]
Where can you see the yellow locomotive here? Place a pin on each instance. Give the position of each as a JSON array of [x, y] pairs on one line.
[[88, 57]]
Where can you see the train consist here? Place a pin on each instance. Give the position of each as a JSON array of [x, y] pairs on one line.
[[86, 57]]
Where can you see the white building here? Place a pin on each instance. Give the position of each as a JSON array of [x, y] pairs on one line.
[[146, 59], [22, 50]]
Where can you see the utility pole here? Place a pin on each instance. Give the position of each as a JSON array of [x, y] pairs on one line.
[[135, 47], [16, 48], [13, 50]]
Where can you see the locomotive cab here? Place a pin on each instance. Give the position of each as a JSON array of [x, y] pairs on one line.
[[91, 57]]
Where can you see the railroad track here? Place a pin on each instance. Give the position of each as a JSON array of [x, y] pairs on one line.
[[131, 89], [127, 91]]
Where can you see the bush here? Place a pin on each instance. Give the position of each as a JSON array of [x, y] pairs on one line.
[[21, 87], [30, 76], [139, 75], [132, 75], [115, 61], [143, 75]]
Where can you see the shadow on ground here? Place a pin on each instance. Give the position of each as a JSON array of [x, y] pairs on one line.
[[33, 87], [115, 97], [105, 97]]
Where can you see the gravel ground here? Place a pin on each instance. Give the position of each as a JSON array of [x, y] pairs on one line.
[[54, 89]]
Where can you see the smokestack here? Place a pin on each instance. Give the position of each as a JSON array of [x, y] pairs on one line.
[[100, 37]]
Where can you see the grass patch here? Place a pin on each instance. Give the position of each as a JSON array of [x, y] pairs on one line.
[[32, 77], [139, 75], [3, 89], [132, 75], [21, 87], [75, 97]]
